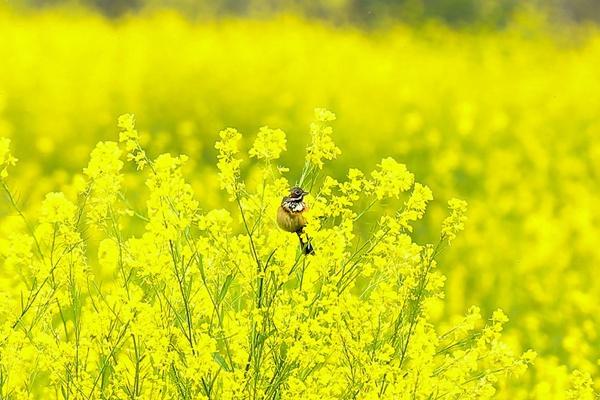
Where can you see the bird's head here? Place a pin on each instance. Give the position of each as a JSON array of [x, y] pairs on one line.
[[297, 194]]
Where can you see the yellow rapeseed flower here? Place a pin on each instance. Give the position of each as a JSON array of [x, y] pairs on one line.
[[455, 222], [269, 144], [391, 179], [322, 145]]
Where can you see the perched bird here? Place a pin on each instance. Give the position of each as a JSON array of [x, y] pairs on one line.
[[290, 216]]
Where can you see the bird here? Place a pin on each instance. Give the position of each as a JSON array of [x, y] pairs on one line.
[[290, 216]]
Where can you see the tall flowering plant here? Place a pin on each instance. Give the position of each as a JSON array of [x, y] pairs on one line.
[[222, 304]]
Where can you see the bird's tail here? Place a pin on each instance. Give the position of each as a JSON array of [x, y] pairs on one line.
[[307, 247]]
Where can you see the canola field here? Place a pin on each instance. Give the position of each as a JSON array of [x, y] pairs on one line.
[[454, 209]]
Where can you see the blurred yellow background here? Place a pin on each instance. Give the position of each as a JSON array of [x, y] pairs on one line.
[[498, 108]]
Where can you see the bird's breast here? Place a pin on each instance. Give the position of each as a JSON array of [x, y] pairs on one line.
[[290, 221]]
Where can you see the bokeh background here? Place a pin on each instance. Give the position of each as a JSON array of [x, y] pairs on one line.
[[495, 102]]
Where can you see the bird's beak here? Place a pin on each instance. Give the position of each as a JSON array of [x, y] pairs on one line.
[[304, 193]]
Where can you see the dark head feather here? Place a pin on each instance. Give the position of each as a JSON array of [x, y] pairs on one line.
[[297, 194]]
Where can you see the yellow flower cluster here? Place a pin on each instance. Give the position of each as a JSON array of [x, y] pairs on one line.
[[269, 144], [415, 206], [228, 164], [210, 305], [56, 209], [391, 179], [104, 174], [322, 146], [456, 220], [6, 158], [129, 137]]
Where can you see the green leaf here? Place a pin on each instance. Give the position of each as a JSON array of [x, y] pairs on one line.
[[225, 288], [221, 361]]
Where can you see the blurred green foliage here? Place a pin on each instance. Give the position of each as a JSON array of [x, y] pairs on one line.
[[489, 13]]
